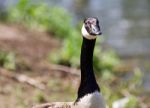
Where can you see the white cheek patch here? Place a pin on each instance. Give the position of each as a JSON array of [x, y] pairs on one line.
[[86, 34]]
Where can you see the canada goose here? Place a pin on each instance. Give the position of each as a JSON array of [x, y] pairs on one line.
[[89, 95]]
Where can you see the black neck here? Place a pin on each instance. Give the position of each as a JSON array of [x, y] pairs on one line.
[[88, 82]]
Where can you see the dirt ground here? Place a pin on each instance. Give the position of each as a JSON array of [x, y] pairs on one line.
[[32, 49]]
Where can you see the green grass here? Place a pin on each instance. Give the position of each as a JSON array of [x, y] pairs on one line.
[[41, 16], [39, 97], [8, 60], [131, 88]]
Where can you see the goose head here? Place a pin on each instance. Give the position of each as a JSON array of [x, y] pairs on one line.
[[91, 28]]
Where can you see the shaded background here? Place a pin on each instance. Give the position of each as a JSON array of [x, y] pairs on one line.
[[125, 25]]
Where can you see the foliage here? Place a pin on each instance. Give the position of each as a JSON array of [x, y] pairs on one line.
[[122, 88], [41, 16], [133, 102], [3, 15], [39, 97], [70, 52], [7, 60]]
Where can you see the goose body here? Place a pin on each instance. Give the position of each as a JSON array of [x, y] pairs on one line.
[[89, 95]]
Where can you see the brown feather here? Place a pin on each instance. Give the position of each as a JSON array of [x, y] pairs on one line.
[[55, 105]]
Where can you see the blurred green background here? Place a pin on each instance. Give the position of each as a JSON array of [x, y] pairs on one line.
[[40, 44]]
